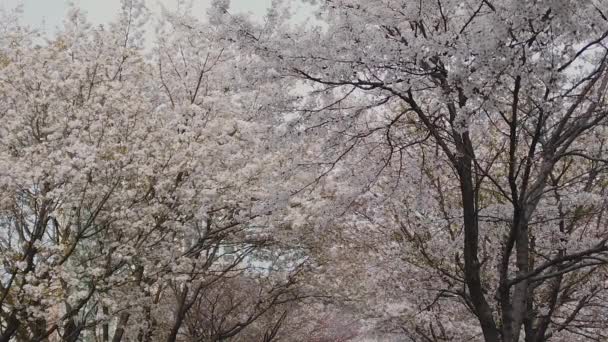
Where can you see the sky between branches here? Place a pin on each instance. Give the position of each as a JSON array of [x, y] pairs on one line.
[[48, 14]]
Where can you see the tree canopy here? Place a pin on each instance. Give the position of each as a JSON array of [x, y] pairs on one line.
[[409, 170]]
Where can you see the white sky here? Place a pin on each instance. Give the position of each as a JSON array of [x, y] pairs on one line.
[[48, 14]]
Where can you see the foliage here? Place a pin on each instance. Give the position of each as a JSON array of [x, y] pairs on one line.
[[432, 170]]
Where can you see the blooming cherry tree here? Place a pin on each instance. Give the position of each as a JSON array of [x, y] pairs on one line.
[[469, 137]]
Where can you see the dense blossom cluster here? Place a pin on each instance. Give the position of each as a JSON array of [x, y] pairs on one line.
[[131, 186]]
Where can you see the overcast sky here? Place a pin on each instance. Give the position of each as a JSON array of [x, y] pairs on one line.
[[48, 14]]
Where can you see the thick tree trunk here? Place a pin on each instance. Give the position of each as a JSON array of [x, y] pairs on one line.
[[12, 325], [179, 316], [472, 266], [120, 327]]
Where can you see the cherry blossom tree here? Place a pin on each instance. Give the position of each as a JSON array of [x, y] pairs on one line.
[[130, 186], [462, 145]]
